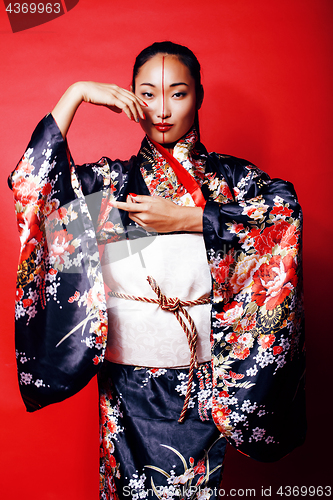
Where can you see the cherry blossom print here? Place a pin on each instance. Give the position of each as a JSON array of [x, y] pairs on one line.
[[273, 282]]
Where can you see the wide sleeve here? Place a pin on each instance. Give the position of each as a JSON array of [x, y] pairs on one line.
[[60, 313], [253, 233]]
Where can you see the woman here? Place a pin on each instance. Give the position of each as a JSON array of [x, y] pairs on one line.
[[181, 372]]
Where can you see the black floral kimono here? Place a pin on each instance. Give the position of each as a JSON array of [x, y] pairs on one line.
[[252, 392]]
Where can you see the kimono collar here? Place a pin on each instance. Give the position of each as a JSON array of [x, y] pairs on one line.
[[160, 175]]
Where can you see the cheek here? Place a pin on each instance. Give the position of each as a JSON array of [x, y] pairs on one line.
[[188, 115]]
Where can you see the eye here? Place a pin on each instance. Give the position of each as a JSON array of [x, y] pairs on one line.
[[179, 95], [148, 95]]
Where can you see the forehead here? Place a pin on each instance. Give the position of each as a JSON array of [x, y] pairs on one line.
[[165, 66]]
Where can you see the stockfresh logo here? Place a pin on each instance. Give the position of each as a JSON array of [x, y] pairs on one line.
[[25, 15]]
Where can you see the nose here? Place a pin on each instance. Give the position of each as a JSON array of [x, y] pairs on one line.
[[163, 110]]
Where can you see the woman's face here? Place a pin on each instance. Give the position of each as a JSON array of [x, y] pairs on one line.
[[168, 88]]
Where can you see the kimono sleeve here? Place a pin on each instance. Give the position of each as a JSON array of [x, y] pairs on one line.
[[253, 238], [60, 312]]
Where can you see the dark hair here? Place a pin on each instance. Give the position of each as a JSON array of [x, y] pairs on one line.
[[184, 54]]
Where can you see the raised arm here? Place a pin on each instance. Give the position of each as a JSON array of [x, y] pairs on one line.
[[101, 94]]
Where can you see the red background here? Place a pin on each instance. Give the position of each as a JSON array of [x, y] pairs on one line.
[[267, 73]]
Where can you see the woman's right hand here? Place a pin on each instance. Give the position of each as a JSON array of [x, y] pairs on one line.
[[101, 94]]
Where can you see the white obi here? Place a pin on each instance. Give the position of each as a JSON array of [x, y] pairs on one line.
[[142, 334]]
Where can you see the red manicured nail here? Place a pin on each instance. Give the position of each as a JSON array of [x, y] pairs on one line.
[[132, 194], [145, 103]]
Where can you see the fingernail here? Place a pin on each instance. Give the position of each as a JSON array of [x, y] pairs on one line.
[[145, 103], [132, 194]]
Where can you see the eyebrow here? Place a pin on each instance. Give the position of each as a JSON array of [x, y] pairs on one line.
[[172, 85]]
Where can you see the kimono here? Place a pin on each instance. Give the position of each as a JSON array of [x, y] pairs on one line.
[[253, 388]]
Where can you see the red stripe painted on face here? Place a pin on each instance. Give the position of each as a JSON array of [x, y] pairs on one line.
[[163, 93]]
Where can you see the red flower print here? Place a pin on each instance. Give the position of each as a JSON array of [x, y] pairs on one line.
[[280, 210], [30, 233], [25, 166], [237, 228], [221, 412], [27, 302], [53, 272], [289, 237], [241, 352], [282, 233], [200, 480], [274, 281], [112, 427], [244, 270], [200, 468], [19, 294], [266, 341], [226, 191], [59, 243], [221, 271], [108, 226], [236, 376], [96, 360], [247, 323], [113, 462], [62, 211], [277, 349], [47, 188], [26, 191], [231, 313], [76, 296], [231, 337]]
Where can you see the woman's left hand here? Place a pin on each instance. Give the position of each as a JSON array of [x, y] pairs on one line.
[[161, 215]]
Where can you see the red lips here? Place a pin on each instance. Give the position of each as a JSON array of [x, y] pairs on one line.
[[163, 127]]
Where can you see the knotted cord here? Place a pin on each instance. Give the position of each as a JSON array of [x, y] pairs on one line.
[[177, 307]]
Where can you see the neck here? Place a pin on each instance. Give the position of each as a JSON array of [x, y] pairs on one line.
[[169, 147]]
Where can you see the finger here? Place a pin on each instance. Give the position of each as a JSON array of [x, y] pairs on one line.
[[142, 198], [129, 207], [136, 98], [134, 103]]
